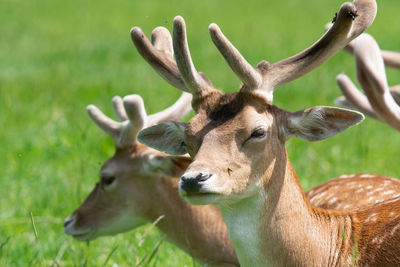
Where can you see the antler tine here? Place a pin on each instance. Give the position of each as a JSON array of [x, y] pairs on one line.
[[111, 127], [160, 60], [119, 108], [351, 20], [132, 113], [343, 102], [246, 73], [353, 98], [162, 41], [390, 58], [196, 82], [371, 75], [176, 112], [395, 91], [136, 112]]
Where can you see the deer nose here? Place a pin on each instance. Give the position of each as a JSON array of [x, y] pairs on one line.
[[191, 183]]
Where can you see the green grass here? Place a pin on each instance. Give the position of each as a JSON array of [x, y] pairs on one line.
[[56, 57]]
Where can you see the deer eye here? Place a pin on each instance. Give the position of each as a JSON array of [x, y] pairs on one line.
[[185, 147], [107, 181], [258, 134]]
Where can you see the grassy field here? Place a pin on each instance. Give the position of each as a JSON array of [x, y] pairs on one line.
[[56, 57]]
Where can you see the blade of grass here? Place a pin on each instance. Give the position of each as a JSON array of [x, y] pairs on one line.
[[142, 260], [4, 252], [5, 242], [149, 229], [34, 259], [154, 251], [33, 225], [156, 261], [87, 253], [109, 255], [60, 253]]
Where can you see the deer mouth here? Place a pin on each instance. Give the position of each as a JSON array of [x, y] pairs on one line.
[[81, 235], [201, 198], [87, 236]]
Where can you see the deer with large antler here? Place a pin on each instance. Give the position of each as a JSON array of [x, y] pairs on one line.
[[240, 162], [379, 102], [139, 184]]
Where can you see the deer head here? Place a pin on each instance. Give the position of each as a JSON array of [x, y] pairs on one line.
[[118, 201]]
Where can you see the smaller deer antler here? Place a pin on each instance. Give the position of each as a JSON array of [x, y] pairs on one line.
[[380, 100], [132, 113]]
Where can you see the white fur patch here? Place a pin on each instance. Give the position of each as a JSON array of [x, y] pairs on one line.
[[243, 222]]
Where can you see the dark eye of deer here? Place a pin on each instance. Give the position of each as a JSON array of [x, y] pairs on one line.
[[258, 134], [107, 180]]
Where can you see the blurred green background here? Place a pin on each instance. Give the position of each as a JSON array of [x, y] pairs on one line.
[[56, 57]]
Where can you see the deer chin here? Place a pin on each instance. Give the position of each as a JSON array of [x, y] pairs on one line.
[[86, 235], [201, 198]]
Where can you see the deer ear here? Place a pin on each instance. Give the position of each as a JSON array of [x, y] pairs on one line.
[[173, 166], [318, 123], [167, 137]]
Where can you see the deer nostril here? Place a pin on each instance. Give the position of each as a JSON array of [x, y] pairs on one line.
[[202, 177], [68, 221], [184, 178]]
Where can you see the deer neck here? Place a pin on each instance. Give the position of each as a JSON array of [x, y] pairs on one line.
[[276, 226], [199, 230]]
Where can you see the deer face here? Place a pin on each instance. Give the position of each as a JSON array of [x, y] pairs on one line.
[[121, 200], [228, 143]]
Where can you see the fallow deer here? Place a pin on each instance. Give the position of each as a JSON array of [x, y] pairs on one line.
[[380, 101], [240, 162], [139, 184], [142, 194]]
